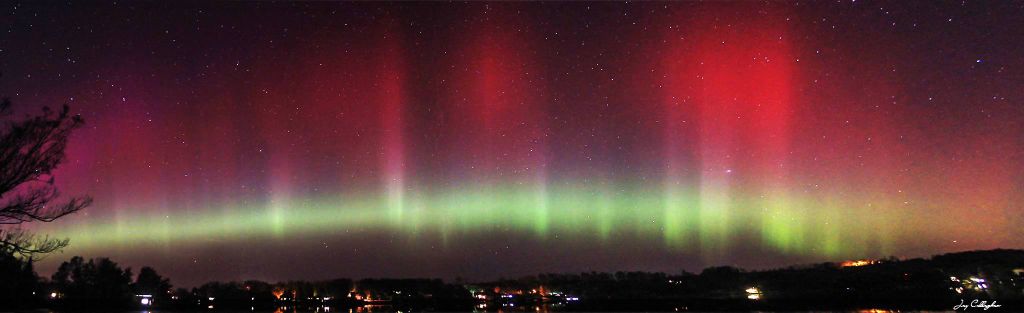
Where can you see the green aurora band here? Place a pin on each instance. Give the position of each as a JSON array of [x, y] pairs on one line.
[[678, 219]]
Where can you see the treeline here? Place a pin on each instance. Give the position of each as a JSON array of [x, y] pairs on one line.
[[936, 283], [102, 283], [77, 282]]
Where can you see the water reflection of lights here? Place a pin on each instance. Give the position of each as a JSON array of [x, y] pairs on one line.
[[753, 293]]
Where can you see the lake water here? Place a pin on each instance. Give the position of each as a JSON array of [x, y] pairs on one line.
[[392, 310]]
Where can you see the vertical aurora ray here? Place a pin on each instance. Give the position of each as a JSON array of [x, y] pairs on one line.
[[701, 99], [542, 204], [278, 203], [392, 100], [679, 201], [727, 96], [497, 115], [770, 95]]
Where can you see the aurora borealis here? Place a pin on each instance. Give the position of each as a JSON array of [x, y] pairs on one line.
[[308, 140]]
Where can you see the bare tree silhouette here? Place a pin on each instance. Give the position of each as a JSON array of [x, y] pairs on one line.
[[30, 148]]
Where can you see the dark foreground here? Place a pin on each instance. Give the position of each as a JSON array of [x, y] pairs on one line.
[[991, 281], [388, 309]]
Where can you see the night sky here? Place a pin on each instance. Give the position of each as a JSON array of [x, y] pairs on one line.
[[276, 141]]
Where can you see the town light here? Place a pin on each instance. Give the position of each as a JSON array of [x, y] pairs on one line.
[[856, 263], [145, 300]]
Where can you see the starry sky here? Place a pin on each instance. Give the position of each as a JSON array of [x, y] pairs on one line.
[[275, 141]]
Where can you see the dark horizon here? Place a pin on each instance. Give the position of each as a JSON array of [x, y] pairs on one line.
[[297, 140], [463, 280], [961, 281]]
